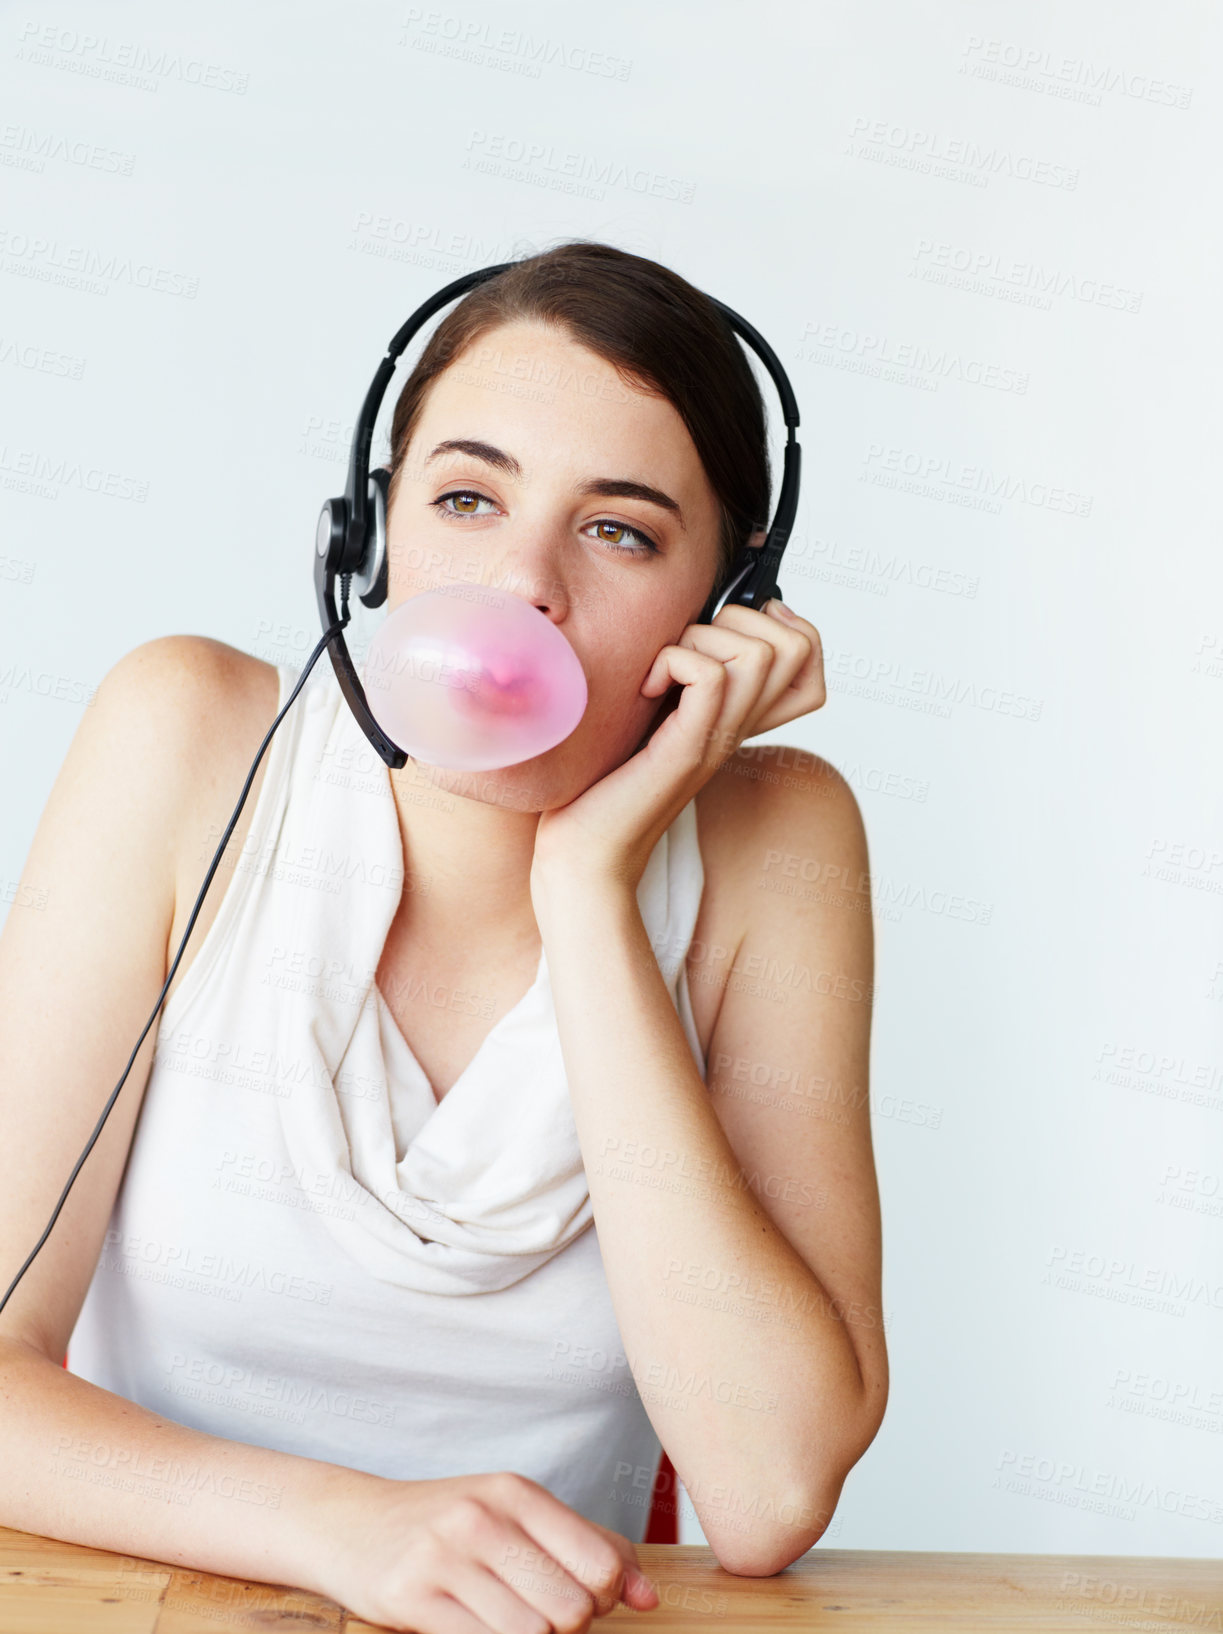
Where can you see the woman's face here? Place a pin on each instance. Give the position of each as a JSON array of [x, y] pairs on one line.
[[621, 571]]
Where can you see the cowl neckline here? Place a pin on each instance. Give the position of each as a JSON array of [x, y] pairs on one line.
[[471, 1193], [502, 1021]]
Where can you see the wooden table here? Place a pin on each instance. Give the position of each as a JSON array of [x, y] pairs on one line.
[[47, 1587]]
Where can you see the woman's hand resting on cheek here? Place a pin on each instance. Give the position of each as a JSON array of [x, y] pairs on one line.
[[747, 672]]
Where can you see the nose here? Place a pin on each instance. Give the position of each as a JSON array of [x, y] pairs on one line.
[[528, 568]]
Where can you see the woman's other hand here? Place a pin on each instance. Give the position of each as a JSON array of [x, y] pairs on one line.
[[747, 672], [476, 1554]]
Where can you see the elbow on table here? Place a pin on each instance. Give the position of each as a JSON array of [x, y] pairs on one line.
[[784, 1530], [765, 1557], [766, 1549]]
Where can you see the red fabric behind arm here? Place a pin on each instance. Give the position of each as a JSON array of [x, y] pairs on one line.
[[663, 1526]]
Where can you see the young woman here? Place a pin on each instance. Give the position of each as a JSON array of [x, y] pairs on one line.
[[337, 1314]]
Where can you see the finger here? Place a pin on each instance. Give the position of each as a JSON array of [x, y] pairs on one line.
[[807, 689], [638, 1591], [734, 613], [636, 1584], [662, 674], [799, 643], [814, 664], [759, 670], [699, 707], [439, 1612], [804, 688], [499, 1598], [595, 1562]]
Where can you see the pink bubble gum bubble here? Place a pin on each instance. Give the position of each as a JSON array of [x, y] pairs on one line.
[[472, 679]]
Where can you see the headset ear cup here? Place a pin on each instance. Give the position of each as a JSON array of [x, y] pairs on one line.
[[371, 577], [739, 575]]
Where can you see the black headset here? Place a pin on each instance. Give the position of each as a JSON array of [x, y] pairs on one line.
[[350, 544]]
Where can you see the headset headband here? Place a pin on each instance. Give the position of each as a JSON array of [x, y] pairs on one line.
[[350, 541]]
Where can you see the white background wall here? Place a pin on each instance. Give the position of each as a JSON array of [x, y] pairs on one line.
[[996, 289]]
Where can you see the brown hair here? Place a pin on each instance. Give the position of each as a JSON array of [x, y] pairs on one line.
[[657, 330]]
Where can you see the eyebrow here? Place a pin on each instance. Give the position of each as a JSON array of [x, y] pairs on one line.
[[605, 487]]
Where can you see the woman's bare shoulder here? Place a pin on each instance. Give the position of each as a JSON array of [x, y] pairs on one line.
[[751, 792], [171, 705], [763, 796], [189, 705], [196, 670], [214, 705], [765, 803]]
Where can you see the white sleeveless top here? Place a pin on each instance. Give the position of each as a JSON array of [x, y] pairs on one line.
[[308, 1251]]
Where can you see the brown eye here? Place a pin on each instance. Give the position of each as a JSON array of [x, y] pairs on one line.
[[458, 494], [643, 546]]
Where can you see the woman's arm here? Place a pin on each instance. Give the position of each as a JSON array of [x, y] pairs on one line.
[[83, 956], [84, 953], [82, 1464], [81, 967], [741, 1244]]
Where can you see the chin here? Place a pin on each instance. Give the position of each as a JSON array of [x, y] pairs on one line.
[[555, 778], [525, 787]]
